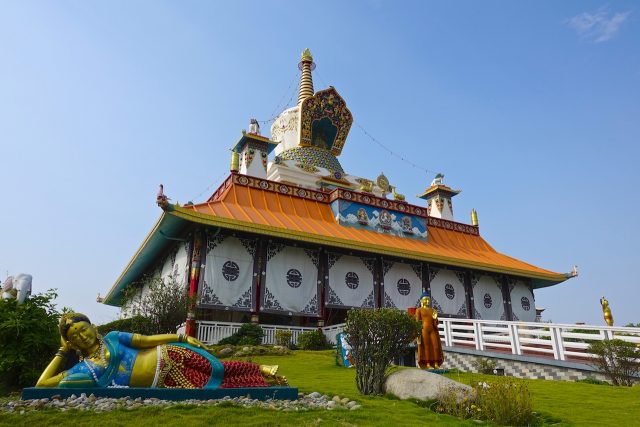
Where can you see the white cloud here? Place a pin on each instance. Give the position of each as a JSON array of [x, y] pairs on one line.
[[599, 26]]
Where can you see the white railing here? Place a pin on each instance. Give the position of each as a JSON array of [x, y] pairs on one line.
[[558, 341], [213, 332], [552, 340]]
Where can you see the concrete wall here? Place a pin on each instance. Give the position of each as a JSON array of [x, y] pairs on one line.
[[520, 366]]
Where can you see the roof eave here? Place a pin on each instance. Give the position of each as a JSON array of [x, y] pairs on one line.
[[154, 242], [189, 214]]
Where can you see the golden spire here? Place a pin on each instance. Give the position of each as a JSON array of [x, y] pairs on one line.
[[474, 217], [306, 65]]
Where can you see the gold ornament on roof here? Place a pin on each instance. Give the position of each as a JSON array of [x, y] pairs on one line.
[[306, 55], [383, 183], [397, 196]]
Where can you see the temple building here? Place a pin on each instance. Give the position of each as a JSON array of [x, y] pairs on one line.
[[291, 237]]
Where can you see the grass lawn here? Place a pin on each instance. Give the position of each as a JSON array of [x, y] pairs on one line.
[[573, 403]]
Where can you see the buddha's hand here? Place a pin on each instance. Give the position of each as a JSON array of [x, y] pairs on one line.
[[194, 342]]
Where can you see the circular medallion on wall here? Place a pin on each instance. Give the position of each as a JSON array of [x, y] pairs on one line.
[[404, 287], [384, 204], [302, 193], [487, 301], [284, 189], [449, 291], [418, 211], [346, 195], [352, 280], [230, 271], [319, 196], [337, 175], [294, 278], [526, 305], [243, 180], [264, 185]]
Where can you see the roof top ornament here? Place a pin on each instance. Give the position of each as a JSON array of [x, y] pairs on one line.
[[438, 179], [254, 127], [306, 65]]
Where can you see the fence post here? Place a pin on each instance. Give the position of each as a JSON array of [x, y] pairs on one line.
[[477, 332], [514, 339], [557, 343]]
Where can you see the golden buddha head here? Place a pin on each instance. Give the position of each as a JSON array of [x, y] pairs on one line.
[[425, 300]]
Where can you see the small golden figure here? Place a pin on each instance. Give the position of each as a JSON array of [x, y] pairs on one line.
[[429, 345], [606, 311]]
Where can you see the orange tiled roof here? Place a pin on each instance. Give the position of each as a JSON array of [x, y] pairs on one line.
[[271, 212]]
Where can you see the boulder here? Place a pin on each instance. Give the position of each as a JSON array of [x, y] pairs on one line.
[[227, 351], [422, 385]]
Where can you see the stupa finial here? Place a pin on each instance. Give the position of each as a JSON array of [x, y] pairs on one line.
[[306, 65]]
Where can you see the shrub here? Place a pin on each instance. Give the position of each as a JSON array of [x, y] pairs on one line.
[[484, 365], [376, 337], [591, 380], [503, 402], [312, 340], [248, 334], [29, 338], [618, 360], [164, 302], [135, 325], [283, 338]]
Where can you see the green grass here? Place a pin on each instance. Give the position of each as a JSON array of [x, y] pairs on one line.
[[563, 403]]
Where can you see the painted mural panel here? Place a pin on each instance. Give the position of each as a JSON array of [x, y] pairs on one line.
[[228, 273], [350, 281], [402, 284], [291, 281], [358, 215], [487, 297], [523, 304], [447, 292]]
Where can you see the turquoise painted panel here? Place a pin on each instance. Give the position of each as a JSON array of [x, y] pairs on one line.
[[357, 215]]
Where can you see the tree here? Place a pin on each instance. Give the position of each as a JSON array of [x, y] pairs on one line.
[[618, 360], [376, 337], [29, 338], [163, 301]]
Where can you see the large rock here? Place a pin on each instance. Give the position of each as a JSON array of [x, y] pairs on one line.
[[423, 385]]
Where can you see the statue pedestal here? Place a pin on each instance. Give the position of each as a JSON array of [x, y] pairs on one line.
[[261, 393]]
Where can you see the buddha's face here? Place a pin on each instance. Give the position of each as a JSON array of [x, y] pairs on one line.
[[82, 336], [424, 302]]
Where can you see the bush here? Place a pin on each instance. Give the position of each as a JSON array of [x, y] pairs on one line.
[[376, 337], [248, 334], [503, 402], [135, 325], [591, 380], [283, 338], [484, 365], [312, 340], [618, 360], [164, 302], [29, 338]]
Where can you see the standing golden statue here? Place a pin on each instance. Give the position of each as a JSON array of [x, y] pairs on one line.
[[606, 311], [123, 359], [429, 345]]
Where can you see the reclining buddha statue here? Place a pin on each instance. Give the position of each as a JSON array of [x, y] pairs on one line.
[[122, 359]]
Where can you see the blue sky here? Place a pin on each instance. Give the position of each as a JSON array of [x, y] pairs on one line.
[[531, 108]]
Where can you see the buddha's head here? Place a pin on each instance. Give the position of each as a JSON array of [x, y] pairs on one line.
[[425, 301], [77, 330]]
